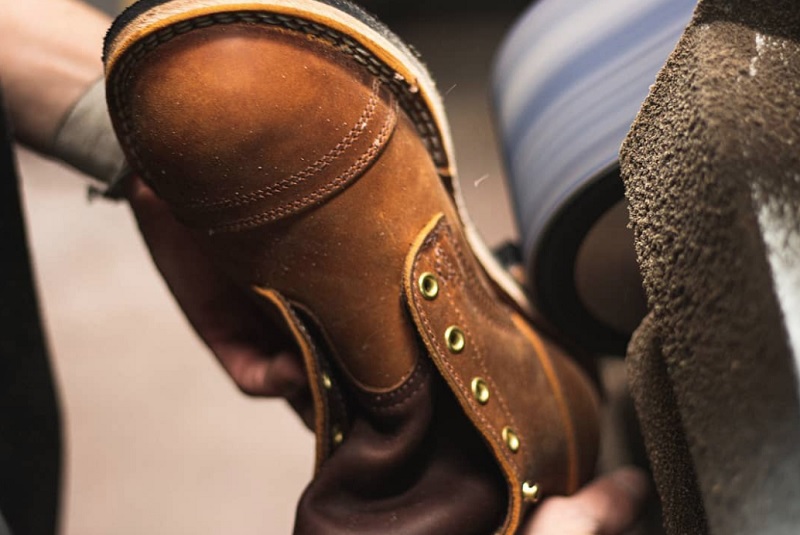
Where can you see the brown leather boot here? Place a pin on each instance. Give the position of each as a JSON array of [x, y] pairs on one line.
[[308, 147]]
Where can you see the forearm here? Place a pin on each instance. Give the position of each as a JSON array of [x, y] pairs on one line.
[[50, 54]]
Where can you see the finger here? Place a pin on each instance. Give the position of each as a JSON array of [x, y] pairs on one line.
[[608, 506], [258, 359], [277, 374], [614, 502]]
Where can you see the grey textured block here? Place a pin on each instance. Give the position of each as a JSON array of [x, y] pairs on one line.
[[712, 173]]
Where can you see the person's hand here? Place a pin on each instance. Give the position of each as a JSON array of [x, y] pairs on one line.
[[260, 359], [609, 505]]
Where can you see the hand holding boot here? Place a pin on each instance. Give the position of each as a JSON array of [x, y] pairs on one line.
[[306, 148], [260, 359]]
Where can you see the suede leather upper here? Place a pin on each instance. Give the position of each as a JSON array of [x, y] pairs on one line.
[[304, 177]]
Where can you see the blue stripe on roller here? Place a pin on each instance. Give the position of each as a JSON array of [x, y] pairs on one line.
[[568, 82]]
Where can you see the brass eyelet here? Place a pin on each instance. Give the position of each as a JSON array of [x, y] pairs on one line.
[[337, 436], [530, 492], [480, 390], [428, 286], [455, 339], [511, 439], [326, 381]]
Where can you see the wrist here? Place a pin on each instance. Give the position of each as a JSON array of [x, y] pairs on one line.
[[49, 56], [86, 140]]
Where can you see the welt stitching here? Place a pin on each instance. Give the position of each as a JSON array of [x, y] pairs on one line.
[[461, 386], [301, 176], [294, 206]]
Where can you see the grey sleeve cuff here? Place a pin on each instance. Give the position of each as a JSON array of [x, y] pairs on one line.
[[86, 140]]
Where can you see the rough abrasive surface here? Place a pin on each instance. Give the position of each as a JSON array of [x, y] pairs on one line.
[[664, 436], [711, 162]]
